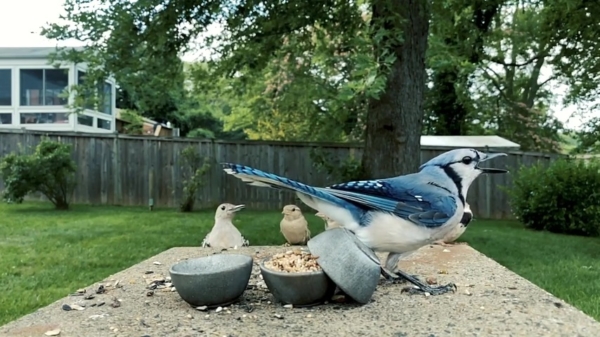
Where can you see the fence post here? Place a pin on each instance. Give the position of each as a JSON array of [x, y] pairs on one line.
[[116, 165]]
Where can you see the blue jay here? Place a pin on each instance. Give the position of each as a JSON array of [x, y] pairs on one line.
[[397, 215]]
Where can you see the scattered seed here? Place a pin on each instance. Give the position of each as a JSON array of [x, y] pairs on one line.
[[89, 297], [467, 292], [54, 332], [243, 316], [512, 288], [173, 289], [431, 280], [101, 303], [309, 316], [115, 303], [288, 306], [100, 290], [207, 316], [338, 298], [148, 272], [558, 305], [157, 263], [77, 307], [202, 308], [278, 316], [81, 291], [219, 309], [442, 272], [446, 251], [96, 316], [426, 294], [189, 316], [66, 307], [150, 293]]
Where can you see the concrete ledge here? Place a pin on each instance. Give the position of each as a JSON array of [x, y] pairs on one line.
[[490, 301]]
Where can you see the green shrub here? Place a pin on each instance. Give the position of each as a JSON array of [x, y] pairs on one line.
[[562, 198], [49, 170], [194, 169]]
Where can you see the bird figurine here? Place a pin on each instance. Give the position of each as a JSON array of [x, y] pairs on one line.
[[396, 215], [294, 226], [224, 234], [458, 230], [329, 222]]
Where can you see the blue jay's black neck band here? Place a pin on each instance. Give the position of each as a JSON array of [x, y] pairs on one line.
[[466, 218], [457, 181]]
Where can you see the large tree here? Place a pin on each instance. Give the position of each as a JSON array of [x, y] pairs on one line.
[[125, 37]]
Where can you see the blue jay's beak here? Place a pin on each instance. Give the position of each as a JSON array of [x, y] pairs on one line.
[[488, 156], [238, 208]]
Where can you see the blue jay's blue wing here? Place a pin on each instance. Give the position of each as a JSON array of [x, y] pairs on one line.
[[422, 204]]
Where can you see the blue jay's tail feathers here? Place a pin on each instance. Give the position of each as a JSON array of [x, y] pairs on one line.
[[257, 177]]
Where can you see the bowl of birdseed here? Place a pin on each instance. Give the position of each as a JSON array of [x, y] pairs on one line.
[[295, 277], [213, 280]]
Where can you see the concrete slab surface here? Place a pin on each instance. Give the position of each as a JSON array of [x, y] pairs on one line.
[[490, 301]]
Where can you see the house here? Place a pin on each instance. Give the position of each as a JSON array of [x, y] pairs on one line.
[[31, 94], [481, 143], [149, 127]]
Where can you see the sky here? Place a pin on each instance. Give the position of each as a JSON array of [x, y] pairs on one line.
[[23, 20]]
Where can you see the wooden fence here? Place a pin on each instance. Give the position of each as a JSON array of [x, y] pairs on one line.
[[122, 170]]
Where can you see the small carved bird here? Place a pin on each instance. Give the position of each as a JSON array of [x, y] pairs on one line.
[[457, 231], [294, 226], [224, 234], [329, 222]]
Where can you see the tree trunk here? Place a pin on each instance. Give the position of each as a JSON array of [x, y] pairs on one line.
[[395, 119]]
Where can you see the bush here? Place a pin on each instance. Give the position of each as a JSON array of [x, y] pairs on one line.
[[193, 172], [49, 170], [563, 198]]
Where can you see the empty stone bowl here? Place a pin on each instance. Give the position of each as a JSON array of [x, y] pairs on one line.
[[353, 266], [299, 289], [211, 281]]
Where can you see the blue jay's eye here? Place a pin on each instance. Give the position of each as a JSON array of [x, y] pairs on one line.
[[467, 160]]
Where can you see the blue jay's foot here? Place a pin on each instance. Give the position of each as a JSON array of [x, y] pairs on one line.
[[394, 279], [450, 287], [419, 287]]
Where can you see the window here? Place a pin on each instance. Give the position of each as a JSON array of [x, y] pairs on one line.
[[87, 94], [85, 120], [44, 118], [104, 90], [103, 124], [5, 88], [43, 86], [107, 99], [6, 118]]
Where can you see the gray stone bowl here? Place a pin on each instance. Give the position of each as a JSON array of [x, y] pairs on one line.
[[299, 289], [353, 266], [211, 281]]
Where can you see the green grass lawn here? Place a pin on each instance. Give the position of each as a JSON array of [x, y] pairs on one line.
[[47, 254]]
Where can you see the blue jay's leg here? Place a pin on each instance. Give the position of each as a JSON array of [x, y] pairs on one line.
[[398, 275]]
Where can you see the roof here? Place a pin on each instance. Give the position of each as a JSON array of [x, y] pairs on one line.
[[468, 141], [28, 52]]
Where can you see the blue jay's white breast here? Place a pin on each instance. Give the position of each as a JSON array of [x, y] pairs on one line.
[[389, 233]]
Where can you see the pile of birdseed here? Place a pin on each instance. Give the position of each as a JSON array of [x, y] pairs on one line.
[[293, 261]]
